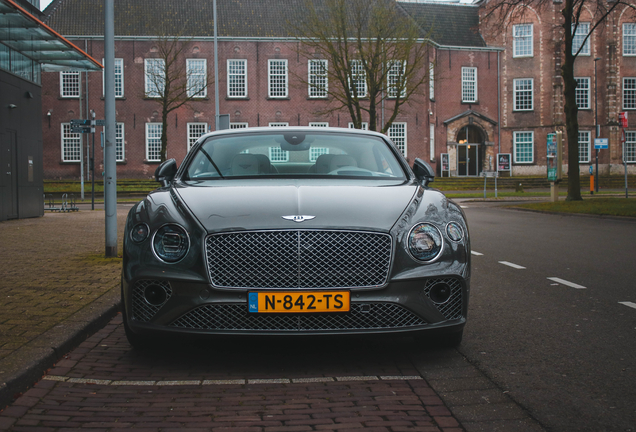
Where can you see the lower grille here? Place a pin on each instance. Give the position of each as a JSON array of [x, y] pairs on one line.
[[142, 310], [451, 309], [235, 317]]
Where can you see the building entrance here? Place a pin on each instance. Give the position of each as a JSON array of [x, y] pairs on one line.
[[469, 159]]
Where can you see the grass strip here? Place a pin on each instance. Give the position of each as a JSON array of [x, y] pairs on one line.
[[597, 206]]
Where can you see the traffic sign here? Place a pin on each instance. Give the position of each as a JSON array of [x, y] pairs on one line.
[[81, 129], [601, 143], [80, 122], [622, 119]]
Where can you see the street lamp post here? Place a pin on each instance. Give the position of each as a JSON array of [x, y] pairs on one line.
[[598, 127]]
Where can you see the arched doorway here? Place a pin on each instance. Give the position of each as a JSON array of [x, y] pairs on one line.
[[470, 140]]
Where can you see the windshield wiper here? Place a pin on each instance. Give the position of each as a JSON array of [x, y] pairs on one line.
[[211, 161]]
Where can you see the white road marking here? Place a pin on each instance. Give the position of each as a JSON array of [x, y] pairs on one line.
[[476, 253], [509, 264], [568, 283], [464, 206], [629, 304], [234, 381]]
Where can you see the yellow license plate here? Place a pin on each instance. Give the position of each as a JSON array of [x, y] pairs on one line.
[[298, 302]]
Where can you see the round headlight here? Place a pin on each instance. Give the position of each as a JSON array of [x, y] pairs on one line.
[[454, 231], [425, 242], [171, 243], [139, 232]]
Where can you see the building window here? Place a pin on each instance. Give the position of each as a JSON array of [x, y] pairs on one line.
[[431, 142], [314, 152], [365, 126], [195, 130], [630, 146], [119, 78], [120, 153], [154, 70], [584, 146], [583, 93], [276, 154], [69, 84], [358, 78], [522, 43], [318, 81], [237, 78], [523, 147], [153, 142], [397, 133], [71, 144], [239, 125], [277, 78], [629, 93], [580, 33], [197, 73], [431, 81], [469, 84], [395, 78], [629, 39], [523, 94]]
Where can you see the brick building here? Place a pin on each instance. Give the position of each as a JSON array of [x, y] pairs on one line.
[[457, 114]]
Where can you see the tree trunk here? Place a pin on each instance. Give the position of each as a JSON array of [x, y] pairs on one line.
[[164, 134]]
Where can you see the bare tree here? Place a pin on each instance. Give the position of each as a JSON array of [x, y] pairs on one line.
[[173, 81], [499, 14], [361, 53]]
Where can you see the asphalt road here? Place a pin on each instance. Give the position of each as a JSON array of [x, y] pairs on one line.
[[565, 348]]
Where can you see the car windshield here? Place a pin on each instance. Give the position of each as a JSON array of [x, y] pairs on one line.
[[293, 153]]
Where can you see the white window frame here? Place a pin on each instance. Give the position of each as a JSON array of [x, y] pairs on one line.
[[197, 77], [585, 144], [521, 94], [195, 130], [431, 81], [239, 125], [630, 147], [71, 144], [360, 76], [275, 153], [150, 141], [154, 88], [522, 42], [314, 152], [318, 79], [398, 134], [119, 78], [120, 149], [629, 94], [516, 142], [237, 78], [393, 76], [431, 142], [582, 93], [469, 84], [629, 39], [277, 80], [70, 83], [579, 35], [365, 125]]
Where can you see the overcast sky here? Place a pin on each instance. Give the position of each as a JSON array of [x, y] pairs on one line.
[[44, 3]]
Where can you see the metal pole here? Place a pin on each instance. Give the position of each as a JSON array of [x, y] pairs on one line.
[[110, 163], [216, 71], [598, 131], [92, 162], [81, 137]]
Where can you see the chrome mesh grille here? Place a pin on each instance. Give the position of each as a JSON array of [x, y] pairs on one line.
[[141, 310], [298, 259], [452, 309], [235, 317]]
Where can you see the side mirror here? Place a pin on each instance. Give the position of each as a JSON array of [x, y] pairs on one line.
[[165, 172], [423, 172]]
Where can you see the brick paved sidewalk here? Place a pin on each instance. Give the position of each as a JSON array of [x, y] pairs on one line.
[[54, 281]]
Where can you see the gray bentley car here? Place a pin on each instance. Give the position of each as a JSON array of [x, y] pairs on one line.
[[295, 231]]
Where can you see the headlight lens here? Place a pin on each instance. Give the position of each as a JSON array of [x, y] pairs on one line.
[[425, 242], [171, 243], [454, 231], [139, 232]]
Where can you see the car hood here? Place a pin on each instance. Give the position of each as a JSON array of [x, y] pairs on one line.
[[247, 206]]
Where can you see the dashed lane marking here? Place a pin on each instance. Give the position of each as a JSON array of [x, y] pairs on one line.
[[513, 265], [629, 304], [233, 381], [476, 253], [568, 283]]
